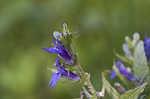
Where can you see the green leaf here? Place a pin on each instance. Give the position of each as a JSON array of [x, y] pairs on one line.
[[134, 93], [140, 66], [111, 91]]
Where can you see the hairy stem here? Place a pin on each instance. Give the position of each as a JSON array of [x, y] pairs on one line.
[[85, 77]]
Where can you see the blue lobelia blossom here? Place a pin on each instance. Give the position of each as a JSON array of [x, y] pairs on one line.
[[113, 74], [123, 71], [147, 47], [60, 50], [62, 72]]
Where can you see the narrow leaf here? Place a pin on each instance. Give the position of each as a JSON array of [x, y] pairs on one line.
[[134, 93], [110, 90]]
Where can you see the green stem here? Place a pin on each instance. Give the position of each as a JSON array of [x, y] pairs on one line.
[[85, 78]]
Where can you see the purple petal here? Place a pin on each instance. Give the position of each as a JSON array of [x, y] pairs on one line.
[[147, 47], [53, 39], [50, 50], [124, 71], [57, 62], [113, 74], [63, 53], [73, 76], [54, 79], [67, 74], [60, 50], [56, 41]]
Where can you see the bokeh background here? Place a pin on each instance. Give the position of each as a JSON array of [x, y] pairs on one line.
[[26, 26]]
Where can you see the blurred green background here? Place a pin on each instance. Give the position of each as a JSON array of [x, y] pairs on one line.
[[26, 25]]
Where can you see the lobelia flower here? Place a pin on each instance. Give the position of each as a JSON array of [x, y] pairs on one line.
[[147, 47], [122, 70], [113, 74], [60, 50], [62, 72]]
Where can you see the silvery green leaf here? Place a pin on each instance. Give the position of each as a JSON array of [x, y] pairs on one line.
[[140, 66], [110, 90], [133, 93]]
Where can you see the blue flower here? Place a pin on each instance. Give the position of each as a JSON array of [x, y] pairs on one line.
[[54, 79], [62, 72], [147, 47], [122, 70], [60, 50], [113, 74]]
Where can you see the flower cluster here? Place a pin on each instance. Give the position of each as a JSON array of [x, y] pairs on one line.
[[137, 56], [64, 58], [122, 70], [132, 68]]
